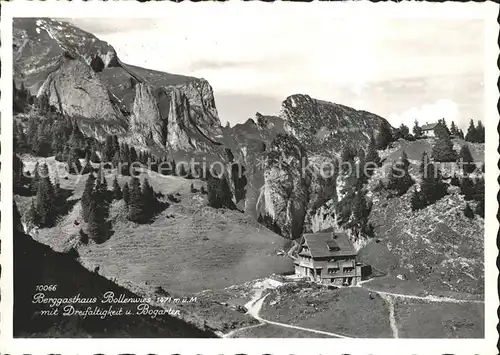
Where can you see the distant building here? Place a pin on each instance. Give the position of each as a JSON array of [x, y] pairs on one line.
[[428, 129], [328, 257]]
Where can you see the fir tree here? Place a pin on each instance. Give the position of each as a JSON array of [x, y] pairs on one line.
[[471, 135], [480, 134], [77, 139], [400, 179], [32, 217], [417, 201], [466, 160], [132, 154], [87, 196], [117, 191], [108, 149], [45, 201], [480, 208], [17, 170], [468, 211], [94, 158], [148, 199], [442, 151], [384, 136], [73, 162], [460, 134], [432, 187], [372, 157], [360, 209], [467, 188], [126, 193], [116, 146], [35, 178], [453, 129], [219, 193], [96, 222], [193, 190], [455, 181], [135, 204]]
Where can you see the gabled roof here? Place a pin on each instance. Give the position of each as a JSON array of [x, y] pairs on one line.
[[328, 243], [429, 126]]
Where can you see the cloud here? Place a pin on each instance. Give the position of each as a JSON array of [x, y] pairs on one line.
[[344, 60], [430, 113]]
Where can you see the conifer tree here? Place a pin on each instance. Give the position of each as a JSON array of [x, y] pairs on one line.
[[372, 157], [94, 158], [126, 193], [480, 134], [466, 160], [455, 181], [219, 193], [96, 222], [480, 208], [73, 162], [108, 149], [417, 200], [45, 201], [432, 187], [116, 146], [77, 139], [87, 196], [35, 178], [117, 191], [442, 151], [32, 217], [135, 204], [467, 188], [148, 199], [360, 209], [468, 211], [471, 135], [460, 134], [400, 179], [133, 154], [453, 129], [17, 170], [384, 136]]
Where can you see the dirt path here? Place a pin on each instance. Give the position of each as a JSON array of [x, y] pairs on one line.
[[392, 320], [255, 304], [429, 298]]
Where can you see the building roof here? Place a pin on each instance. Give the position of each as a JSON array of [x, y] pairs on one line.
[[328, 243], [429, 126]]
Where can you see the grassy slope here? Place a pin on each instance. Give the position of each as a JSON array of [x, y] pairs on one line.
[[189, 247], [36, 264], [418, 319], [348, 311]]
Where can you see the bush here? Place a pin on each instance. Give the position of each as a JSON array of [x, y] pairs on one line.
[[468, 211]]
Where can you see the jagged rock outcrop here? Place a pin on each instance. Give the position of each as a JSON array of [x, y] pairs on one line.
[[175, 117], [77, 91], [284, 195], [326, 126], [84, 78]]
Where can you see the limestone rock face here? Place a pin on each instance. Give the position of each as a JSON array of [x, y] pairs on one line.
[[175, 117], [76, 90], [322, 126], [84, 78], [285, 189]]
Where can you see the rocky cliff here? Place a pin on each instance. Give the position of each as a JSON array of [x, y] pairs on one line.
[[325, 126], [84, 78]]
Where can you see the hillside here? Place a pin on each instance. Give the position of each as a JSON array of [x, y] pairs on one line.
[[36, 264], [188, 247], [84, 78]]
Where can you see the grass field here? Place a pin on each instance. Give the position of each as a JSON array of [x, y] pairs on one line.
[[418, 319], [189, 246], [346, 311]]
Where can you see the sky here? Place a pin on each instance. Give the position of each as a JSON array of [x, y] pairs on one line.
[[399, 69]]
